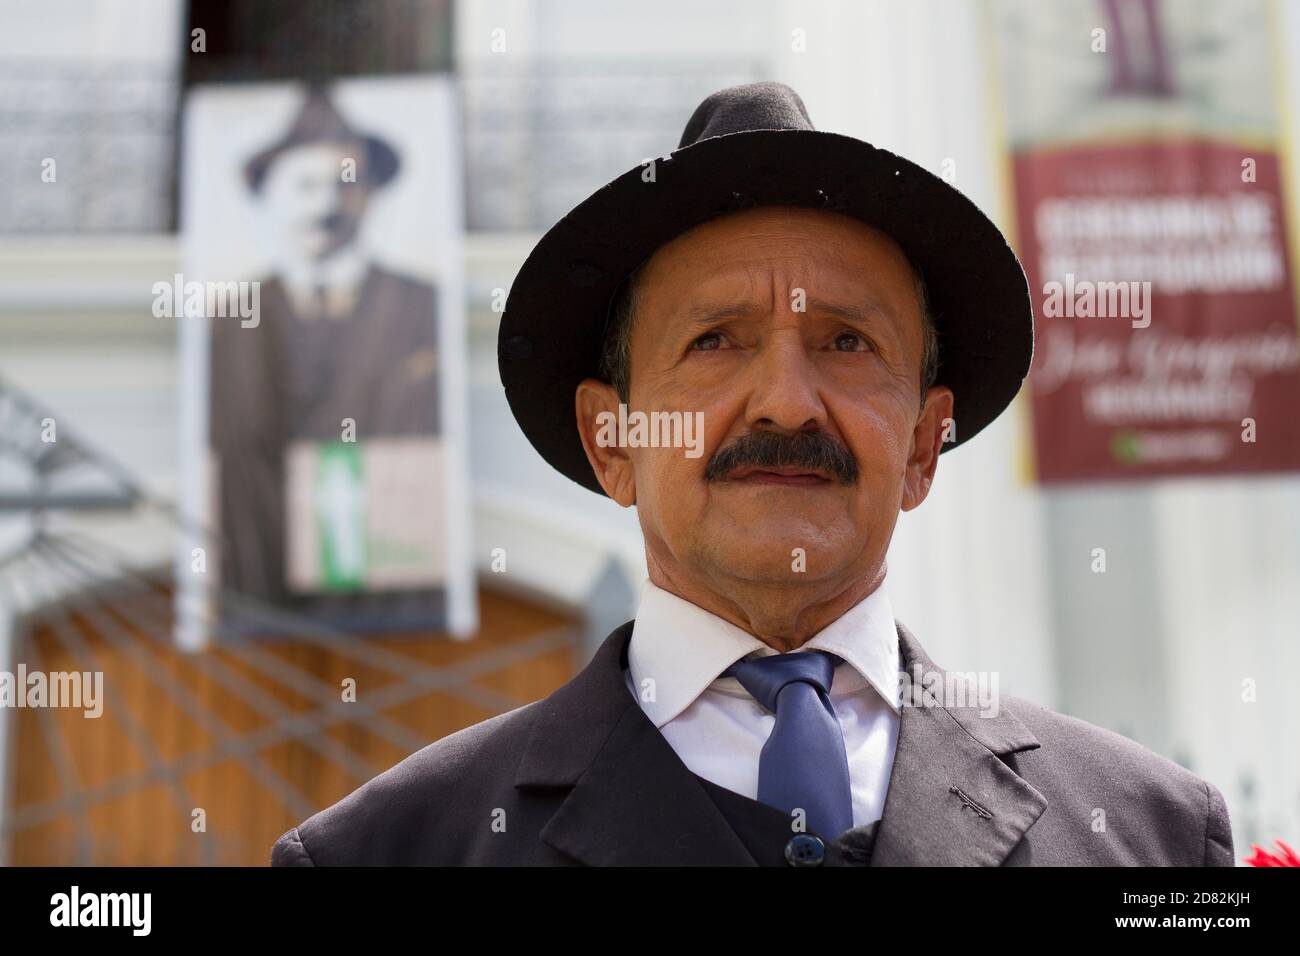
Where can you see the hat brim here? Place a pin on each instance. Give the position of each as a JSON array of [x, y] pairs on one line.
[[553, 324], [381, 164]]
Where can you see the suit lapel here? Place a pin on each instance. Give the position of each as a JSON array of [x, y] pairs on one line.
[[951, 798], [952, 801], [632, 801]]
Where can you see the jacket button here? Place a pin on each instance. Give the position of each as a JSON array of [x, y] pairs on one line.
[[804, 849]]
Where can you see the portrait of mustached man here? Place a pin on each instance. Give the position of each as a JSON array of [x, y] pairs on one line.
[[339, 337], [841, 318]]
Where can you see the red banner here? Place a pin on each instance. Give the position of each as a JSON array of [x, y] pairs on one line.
[[1153, 229]]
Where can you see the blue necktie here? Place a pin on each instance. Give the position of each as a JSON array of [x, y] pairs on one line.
[[803, 764]]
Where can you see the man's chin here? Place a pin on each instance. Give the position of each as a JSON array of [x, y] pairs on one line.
[[796, 555], [776, 574]]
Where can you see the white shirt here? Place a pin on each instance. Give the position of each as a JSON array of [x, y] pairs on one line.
[[325, 287], [678, 649]]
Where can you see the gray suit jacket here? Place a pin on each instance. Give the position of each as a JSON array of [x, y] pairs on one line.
[[583, 776], [292, 377]]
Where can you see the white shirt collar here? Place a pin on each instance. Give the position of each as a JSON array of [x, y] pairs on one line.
[[683, 648], [342, 270]]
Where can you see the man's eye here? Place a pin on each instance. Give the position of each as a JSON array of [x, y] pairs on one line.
[[708, 342], [852, 342]]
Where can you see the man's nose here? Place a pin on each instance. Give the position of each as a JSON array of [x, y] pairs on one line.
[[783, 386], [321, 196]]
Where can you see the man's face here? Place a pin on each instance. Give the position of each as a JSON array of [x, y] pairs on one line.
[[719, 330], [318, 212]]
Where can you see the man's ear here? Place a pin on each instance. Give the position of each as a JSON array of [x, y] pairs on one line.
[[596, 404], [932, 427]]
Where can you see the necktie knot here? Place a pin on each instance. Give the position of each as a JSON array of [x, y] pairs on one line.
[[766, 677]]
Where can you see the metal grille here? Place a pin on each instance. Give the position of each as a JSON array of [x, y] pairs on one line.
[[541, 138], [108, 126]]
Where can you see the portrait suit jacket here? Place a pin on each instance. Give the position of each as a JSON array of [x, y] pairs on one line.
[[293, 377], [584, 777]]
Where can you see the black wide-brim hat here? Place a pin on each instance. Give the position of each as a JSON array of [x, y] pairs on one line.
[[745, 146]]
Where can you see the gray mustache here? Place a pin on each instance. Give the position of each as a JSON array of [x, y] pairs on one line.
[[815, 451]]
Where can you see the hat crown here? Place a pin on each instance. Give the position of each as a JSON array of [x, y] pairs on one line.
[[319, 121], [741, 109]]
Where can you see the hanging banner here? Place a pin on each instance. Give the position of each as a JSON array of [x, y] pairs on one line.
[[323, 357], [1150, 217]]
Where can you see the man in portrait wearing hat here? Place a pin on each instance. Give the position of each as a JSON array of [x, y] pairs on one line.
[[840, 317], [339, 339]]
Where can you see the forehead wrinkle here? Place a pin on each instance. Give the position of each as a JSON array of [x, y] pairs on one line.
[[766, 276], [704, 315], [769, 278]]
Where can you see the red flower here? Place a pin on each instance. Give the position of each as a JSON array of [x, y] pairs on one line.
[[1264, 858]]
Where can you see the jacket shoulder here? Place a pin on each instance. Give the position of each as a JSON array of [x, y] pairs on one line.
[[398, 816], [1132, 803], [289, 851], [403, 284]]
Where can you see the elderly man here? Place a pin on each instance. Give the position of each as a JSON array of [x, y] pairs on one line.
[[838, 317]]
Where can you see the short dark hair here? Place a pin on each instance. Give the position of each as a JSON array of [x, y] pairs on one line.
[[616, 349]]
